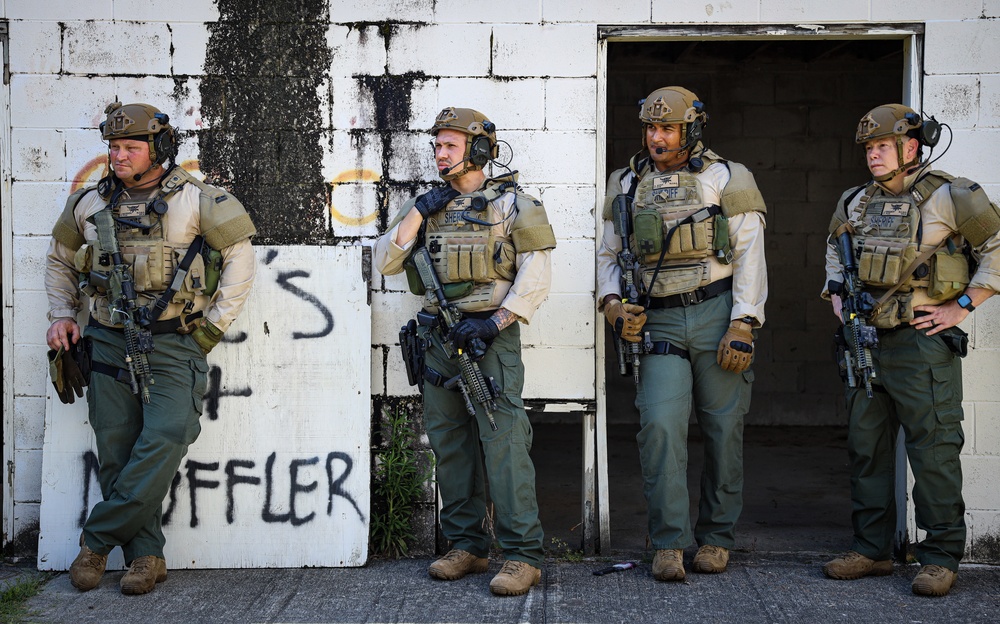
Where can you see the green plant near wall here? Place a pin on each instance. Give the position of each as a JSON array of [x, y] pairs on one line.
[[398, 485]]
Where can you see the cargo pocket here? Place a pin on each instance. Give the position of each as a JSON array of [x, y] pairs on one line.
[[199, 370], [949, 438], [746, 388], [513, 376]]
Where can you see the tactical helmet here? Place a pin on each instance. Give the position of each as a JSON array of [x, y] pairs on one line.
[[481, 146], [140, 120], [895, 120], [674, 105]]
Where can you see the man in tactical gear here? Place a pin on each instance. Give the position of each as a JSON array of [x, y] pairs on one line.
[[694, 222], [166, 263], [909, 235], [489, 246]]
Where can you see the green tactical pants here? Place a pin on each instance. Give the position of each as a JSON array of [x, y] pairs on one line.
[[919, 389], [141, 446], [456, 437], [669, 386]]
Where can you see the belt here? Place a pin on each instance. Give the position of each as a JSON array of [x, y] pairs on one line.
[[665, 348], [118, 374], [693, 297], [882, 332], [168, 326]]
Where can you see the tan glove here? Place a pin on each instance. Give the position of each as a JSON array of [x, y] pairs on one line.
[[206, 335], [736, 348], [627, 319]]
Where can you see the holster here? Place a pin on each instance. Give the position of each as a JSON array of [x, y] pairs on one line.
[[414, 347], [957, 341]]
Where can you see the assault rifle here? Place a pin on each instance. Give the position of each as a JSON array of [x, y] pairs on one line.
[[471, 382], [857, 306], [125, 310], [628, 352]]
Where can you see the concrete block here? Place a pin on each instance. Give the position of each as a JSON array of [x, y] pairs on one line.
[[979, 487], [929, 10], [545, 50], [425, 104], [390, 311], [553, 157], [378, 371], [952, 99], [411, 159], [972, 154], [571, 104], [983, 536], [980, 382], [343, 11], [190, 41], [570, 210], [29, 422], [621, 12], [396, 382], [573, 268], [355, 50], [794, 217], [352, 107], [986, 435], [564, 320], [75, 101], [36, 206], [510, 104], [465, 12], [26, 516], [564, 373], [794, 345], [671, 11], [989, 101], [37, 154], [810, 11], [802, 410], [987, 326], [38, 47], [59, 10], [28, 475], [180, 11], [110, 48], [440, 50], [30, 321], [86, 156], [352, 157], [794, 152], [962, 47], [398, 283], [179, 98], [31, 369], [354, 210], [29, 262], [758, 154]]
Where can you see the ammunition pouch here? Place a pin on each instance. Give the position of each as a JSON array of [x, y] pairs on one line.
[[896, 311], [672, 279], [949, 275]]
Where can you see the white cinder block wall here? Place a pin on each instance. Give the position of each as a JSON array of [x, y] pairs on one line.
[[531, 65]]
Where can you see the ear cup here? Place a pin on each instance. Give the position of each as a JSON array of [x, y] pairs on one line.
[[480, 151], [930, 132], [695, 130], [164, 146]]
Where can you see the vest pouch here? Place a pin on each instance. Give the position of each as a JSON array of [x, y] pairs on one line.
[[457, 290], [504, 260], [897, 311], [413, 281], [688, 238], [465, 263], [672, 280], [84, 258], [194, 280], [213, 269], [949, 275], [648, 232], [880, 264]]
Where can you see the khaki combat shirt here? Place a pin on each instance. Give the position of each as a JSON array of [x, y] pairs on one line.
[[746, 237], [937, 218], [534, 268], [181, 224]]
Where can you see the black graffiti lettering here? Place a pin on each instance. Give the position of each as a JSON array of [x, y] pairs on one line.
[[235, 338], [335, 486], [283, 278], [271, 255], [165, 520], [267, 515], [233, 479], [91, 465], [214, 392], [293, 471], [194, 483]]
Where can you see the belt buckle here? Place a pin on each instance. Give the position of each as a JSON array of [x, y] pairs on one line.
[[686, 299]]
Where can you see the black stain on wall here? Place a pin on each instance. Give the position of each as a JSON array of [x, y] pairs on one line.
[[264, 65]]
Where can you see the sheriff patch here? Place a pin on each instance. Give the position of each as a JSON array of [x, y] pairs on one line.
[[670, 181], [895, 209]]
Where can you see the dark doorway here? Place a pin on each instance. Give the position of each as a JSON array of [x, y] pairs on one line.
[[788, 109]]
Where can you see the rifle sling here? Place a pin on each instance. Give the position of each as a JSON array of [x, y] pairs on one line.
[[905, 275], [178, 279]]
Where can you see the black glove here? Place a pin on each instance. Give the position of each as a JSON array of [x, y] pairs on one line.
[[470, 329], [434, 200], [66, 375]]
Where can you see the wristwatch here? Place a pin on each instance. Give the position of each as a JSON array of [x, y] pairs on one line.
[[966, 302], [749, 320]]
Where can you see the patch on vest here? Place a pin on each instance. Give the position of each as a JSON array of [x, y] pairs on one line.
[[895, 209]]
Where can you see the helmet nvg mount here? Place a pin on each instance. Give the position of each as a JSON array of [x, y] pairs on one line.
[[135, 121], [675, 105], [481, 146]]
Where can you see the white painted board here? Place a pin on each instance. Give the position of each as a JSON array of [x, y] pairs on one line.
[[280, 474]]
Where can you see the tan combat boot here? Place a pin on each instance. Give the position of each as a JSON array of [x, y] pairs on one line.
[[515, 578], [456, 564], [143, 575], [668, 565], [711, 559], [87, 569], [933, 580], [854, 566]]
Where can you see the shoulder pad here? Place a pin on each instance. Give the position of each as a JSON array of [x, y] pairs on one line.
[[224, 220], [977, 217], [65, 230], [709, 157], [741, 193], [531, 230]]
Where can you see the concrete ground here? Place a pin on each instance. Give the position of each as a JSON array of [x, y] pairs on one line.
[[796, 517]]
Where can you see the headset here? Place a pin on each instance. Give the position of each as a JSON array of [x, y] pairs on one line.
[[481, 149]]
